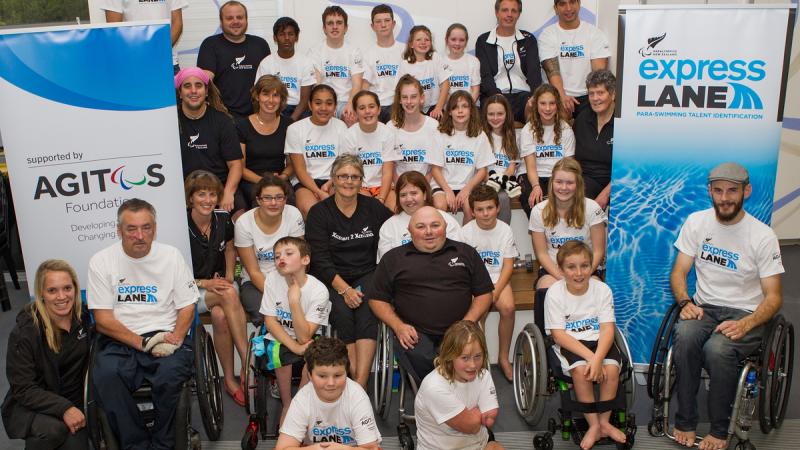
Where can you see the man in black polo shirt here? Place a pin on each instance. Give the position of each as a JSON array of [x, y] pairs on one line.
[[231, 58], [423, 287]]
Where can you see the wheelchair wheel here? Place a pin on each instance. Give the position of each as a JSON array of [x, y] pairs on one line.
[[404, 436], [383, 368], [626, 371], [658, 356], [208, 383], [183, 421], [248, 378], [530, 374], [777, 364], [543, 441]]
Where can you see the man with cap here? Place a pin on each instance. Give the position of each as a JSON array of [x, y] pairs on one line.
[[737, 260]]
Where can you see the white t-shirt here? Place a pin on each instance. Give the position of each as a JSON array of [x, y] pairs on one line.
[[373, 149], [579, 315], [348, 421], [382, 70], [138, 10], [561, 234], [501, 159], [336, 67], [439, 400], [493, 245], [430, 74], [730, 260], [416, 147], [394, 232], [575, 50], [314, 301], [319, 145], [548, 153], [466, 72], [461, 156], [248, 234], [145, 293], [508, 62], [295, 72]]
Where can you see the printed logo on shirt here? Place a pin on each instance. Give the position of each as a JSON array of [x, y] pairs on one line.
[[411, 155], [459, 81], [557, 241], [192, 144], [490, 257], [334, 71], [319, 151], [289, 82], [719, 256], [367, 421], [549, 151], [386, 70], [501, 160], [237, 64], [370, 158], [331, 433], [363, 234], [577, 326], [454, 263], [509, 59], [458, 157], [427, 83], [572, 51], [265, 255], [137, 294], [284, 317]]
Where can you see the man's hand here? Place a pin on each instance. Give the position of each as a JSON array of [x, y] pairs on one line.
[[74, 419], [407, 335], [691, 312], [734, 329], [172, 338], [570, 103], [153, 340]]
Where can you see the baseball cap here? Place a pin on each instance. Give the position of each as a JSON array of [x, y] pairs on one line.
[[729, 171]]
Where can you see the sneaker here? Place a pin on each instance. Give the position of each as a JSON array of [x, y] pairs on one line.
[[273, 390]]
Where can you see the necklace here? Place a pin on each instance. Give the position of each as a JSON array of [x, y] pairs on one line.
[[189, 116], [260, 121]]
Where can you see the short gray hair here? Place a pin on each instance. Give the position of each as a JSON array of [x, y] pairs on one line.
[[347, 159], [135, 205], [603, 77]]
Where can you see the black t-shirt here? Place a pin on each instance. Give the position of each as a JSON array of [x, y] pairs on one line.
[[341, 245], [72, 360], [234, 66], [208, 143], [592, 150], [431, 291], [208, 254], [264, 153]]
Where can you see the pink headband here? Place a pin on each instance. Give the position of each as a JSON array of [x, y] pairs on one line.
[[181, 76]]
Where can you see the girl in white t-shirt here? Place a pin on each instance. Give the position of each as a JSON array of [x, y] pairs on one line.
[[544, 140], [373, 142], [498, 124], [579, 315], [417, 137], [312, 144], [457, 402], [420, 61], [465, 69], [565, 216], [333, 411], [412, 193], [256, 232], [462, 163]]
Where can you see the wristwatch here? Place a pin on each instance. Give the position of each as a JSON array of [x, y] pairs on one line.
[[145, 340], [684, 303], [344, 291]]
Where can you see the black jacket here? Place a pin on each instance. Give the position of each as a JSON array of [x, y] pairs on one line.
[[528, 50], [32, 371]]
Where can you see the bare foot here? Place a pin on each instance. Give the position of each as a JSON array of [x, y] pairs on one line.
[[608, 430], [508, 371], [591, 436], [686, 438], [711, 443]]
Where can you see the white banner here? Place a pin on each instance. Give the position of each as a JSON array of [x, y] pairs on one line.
[[88, 118]]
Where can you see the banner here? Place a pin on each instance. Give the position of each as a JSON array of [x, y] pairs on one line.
[[699, 86], [88, 117]]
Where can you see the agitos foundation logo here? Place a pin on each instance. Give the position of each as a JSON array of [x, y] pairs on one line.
[[671, 82], [69, 184]]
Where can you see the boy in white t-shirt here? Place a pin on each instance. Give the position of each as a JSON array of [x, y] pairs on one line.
[[333, 411], [382, 60], [337, 63], [494, 241], [579, 315], [295, 305]]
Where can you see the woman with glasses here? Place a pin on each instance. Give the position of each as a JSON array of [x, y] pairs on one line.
[[343, 233], [256, 232]]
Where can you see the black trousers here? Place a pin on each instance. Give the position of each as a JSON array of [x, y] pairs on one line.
[[51, 433]]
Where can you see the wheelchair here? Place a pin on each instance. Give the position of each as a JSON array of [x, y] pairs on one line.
[[537, 375], [772, 363], [205, 384]]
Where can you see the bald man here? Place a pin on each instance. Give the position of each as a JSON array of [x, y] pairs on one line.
[[424, 286]]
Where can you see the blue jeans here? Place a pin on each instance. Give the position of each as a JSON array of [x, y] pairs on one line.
[[696, 346]]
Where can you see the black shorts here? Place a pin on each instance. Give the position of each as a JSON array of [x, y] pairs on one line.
[[354, 324], [278, 355], [518, 102], [438, 189], [317, 181], [570, 360]]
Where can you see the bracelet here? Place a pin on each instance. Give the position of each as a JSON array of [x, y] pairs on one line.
[[683, 303], [200, 283], [344, 291]]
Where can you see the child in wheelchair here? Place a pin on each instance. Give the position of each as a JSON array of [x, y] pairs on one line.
[[333, 411], [294, 306], [579, 315]]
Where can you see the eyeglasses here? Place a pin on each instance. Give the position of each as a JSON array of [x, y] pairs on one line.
[[271, 198], [345, 177]]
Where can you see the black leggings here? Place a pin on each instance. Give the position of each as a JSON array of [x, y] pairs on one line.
[[50, 433]]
